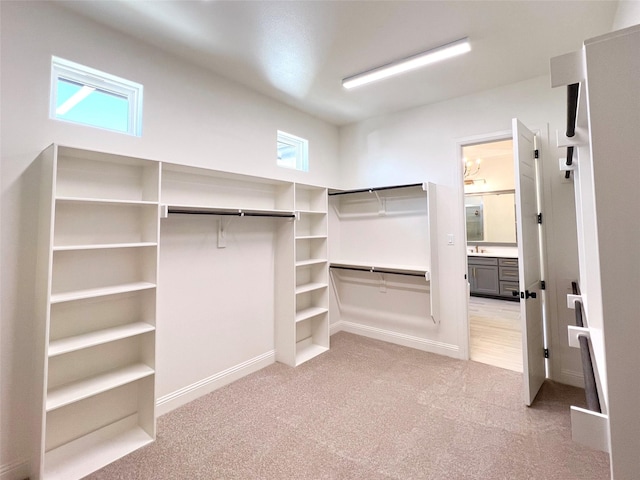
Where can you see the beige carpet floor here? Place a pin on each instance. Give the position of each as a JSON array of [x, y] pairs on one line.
[[369, 410]]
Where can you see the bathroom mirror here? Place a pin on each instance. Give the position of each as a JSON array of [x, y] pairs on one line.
[[491, 217]]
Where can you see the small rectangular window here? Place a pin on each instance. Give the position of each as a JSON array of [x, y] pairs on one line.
[[88, 96], [293, 152]]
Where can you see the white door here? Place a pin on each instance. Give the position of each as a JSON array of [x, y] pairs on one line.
[[529, 261]]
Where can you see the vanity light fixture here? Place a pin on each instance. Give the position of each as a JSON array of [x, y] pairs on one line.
[[410, 63], [471, 168]]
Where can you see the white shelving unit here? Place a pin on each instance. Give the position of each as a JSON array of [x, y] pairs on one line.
[[604, 173], [386, 237], [305, 334], [97, 261], [301, 278], [98, 257]]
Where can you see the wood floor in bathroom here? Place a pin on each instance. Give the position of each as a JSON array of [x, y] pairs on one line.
[[496, 334]]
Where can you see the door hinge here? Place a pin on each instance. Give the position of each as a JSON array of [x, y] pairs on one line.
[[543, 285], [536, 153], [546, 353], [539, 218]]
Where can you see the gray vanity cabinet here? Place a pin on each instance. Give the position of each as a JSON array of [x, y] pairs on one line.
[[483, 275], [508, 276], [493, 276]]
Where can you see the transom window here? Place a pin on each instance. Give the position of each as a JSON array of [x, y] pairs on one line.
[[293, 152], [87, 96]]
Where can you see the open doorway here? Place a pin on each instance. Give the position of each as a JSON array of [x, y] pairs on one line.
[[495, 330]]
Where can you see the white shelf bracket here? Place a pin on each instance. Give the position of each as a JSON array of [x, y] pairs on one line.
[[577, 140], [382, 204], [383, 283], [572, 299], [223, 225], [564, 167], [575, 333], [164, 211]]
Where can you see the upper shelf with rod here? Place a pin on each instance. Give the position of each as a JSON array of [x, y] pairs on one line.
[[334, 192], [236, 212], [198, 191], [391, 200], [390, 269]]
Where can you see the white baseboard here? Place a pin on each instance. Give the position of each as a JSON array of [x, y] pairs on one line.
[[175, 399], [17, 470], [571, 377], [335, 328], [403, 339]]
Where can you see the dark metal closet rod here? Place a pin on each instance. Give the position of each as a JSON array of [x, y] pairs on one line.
[[230, 213], [572, 108], [567, 174], [378, 270], [375, 189], [590, 387]]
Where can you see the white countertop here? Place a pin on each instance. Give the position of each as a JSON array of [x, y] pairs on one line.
[[489, 251]]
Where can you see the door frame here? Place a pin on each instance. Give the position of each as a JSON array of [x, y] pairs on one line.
[[548, 297], [465, 331]]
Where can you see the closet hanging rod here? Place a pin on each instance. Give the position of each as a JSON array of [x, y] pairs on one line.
[[422, 274], [375, 189], [572, 108], [590, 387], [575, 288], [229, 212], [569, 162]]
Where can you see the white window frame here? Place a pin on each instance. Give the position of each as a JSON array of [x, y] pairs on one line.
[[302, 151], [67, 70]]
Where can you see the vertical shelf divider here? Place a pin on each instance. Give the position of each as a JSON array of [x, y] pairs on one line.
[[304, 333]]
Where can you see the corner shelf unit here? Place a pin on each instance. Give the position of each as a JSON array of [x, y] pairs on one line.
[[305, 334], [96, 303], [96, 295], [388, 230]]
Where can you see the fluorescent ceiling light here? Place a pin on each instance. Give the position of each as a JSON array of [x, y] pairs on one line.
[[415, 61]]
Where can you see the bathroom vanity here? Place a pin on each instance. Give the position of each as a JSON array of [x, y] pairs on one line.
[[493, 276]]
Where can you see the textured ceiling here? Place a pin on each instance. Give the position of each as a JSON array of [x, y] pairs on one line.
[[298, 51]]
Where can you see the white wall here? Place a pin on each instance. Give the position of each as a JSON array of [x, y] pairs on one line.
[[190, 116], [627, 14], [422, 144]]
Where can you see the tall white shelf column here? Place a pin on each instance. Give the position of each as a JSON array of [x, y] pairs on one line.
[[302, 317], [96, 303]]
